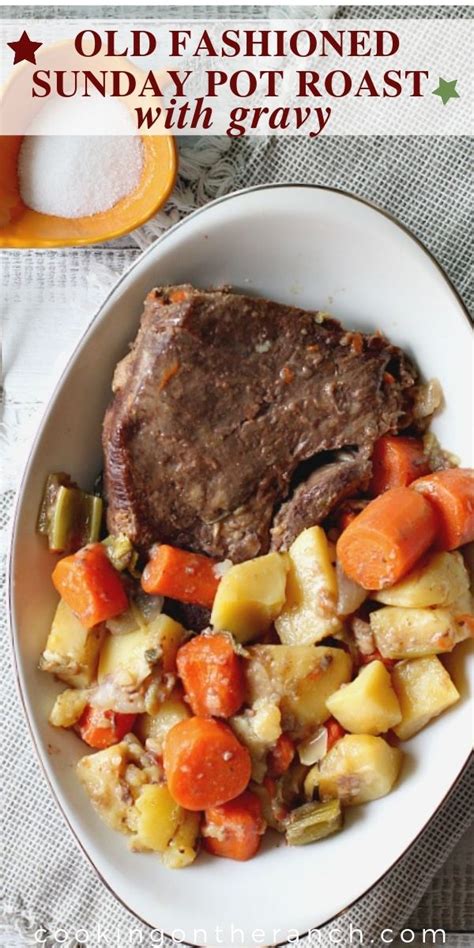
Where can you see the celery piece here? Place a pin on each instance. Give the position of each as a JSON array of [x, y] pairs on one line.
[[69, 517], [53, 483], [93, 521], [313, 821]]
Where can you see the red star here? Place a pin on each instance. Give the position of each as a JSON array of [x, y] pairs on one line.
[[24, 49]]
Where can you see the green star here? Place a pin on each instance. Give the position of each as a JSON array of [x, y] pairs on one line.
[[446, 90]]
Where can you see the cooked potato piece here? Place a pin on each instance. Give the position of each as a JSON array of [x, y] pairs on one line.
[[411, 633], [103, 777], [182, 849], [250, 595], [155, 727], [368, 705], [266, 721], [359, 768], [72, 651], [133, 655], [171, 635], [258, 729], [438, 581], [309, 614], [464, 605], [157, 818], [115, 777], [424, 690], [68, 707], [161, 825], [299, 678]]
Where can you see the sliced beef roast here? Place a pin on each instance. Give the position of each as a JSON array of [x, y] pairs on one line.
[[312, 500], [220, 399]]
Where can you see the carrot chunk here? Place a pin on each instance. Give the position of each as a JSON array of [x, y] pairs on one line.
[[178, 296], [212, 675], [234, 830], [451, 493], [189, 577], [90, 585], [387, 538], [335, 732], [281, 756], [396, 462], [101, 729], [205, 764]]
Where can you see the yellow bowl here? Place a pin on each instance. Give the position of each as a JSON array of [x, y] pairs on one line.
[[20, 226]]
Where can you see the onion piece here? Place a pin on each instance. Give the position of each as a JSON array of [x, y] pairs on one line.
[[314, 748], [114, 695], [140, 613], [428, 399], [349, 594], [149, 606], [123, 624], [221, 568]]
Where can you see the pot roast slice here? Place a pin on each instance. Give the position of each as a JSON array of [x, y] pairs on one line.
[[219, 401], [312, 501]]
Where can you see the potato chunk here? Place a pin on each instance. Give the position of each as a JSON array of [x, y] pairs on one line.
[[250, 595], [424, 690], [182, 849], [132, 656], [103, 777], [258, 729], [309, 614], [114, 778], [72, 651], [299, 679], [171, 635], [154, 727], [68, 707], [439, 580], [411, 633], [359, 768], [162, 826], [368, 705]]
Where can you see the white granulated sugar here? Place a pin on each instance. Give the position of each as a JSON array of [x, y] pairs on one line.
[[75, 175]]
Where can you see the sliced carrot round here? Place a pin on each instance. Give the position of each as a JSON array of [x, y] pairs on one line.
[[212, 675], [451, 494], [205, 764], [396, 462], [90, 585], [187, 577], [387, 538]]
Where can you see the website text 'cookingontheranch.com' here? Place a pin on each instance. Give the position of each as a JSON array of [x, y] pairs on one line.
[[335, 935]]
